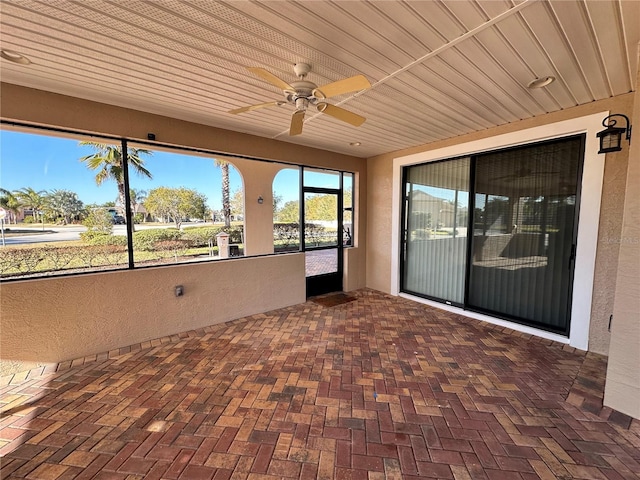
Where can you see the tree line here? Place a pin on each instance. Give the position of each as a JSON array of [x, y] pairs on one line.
[[64, 206], [165, 203]]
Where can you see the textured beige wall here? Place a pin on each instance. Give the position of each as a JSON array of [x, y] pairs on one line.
[[47, 321], [622, 389], [379, 184], [354, 259], [604, 282], [258, 182]]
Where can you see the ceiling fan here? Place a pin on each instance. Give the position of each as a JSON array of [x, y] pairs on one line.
[[302, 94]]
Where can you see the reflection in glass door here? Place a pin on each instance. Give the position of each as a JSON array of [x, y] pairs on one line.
[[524, 233], [436, 217]]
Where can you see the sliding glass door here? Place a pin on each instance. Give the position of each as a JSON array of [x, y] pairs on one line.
[[436, 217], [520, 208], [524, 233]]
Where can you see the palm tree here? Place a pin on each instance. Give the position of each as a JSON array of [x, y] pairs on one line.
[[137, 198], [108, 161], [64, 204], [10, 203], [28, 197], [226, 203]]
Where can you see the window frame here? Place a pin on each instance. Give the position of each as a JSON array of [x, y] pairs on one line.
[[124, 142]]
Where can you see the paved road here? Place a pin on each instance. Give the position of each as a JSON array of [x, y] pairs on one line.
[[67, 234]]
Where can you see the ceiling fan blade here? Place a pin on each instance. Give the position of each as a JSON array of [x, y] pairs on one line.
[[341, 114], [296, 123], [255, 107], [270, 77], [351, 84]]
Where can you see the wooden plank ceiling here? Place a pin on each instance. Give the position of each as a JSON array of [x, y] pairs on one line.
[[438, 69]]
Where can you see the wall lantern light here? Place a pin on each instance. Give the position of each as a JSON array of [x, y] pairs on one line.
[[611, 137]]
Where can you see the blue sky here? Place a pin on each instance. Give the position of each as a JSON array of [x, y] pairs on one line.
[[47, 163]]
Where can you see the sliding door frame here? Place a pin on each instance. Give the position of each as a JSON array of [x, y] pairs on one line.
[[404, 244], [471, 237], [589, 215], [574, 236]]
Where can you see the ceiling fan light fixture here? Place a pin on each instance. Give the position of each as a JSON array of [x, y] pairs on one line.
[[14, 57], [301, 103], [541, 82]]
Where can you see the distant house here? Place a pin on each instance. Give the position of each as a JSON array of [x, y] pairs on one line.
[[436, 212]]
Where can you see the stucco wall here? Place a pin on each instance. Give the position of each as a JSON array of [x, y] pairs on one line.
[[55, 319], [622, 390], [379, 184], [48, 321], [604, 286], [258, 182], [379, 210]]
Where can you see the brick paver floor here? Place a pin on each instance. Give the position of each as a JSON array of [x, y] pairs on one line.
[[318, 262], [379, 387]]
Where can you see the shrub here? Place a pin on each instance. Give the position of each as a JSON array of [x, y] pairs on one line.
[[173, 248], [20, 261], [28, 219], [98, 255], [99, 220], [313, 233], [200, 236], [236, 233], [147, 239], [286, 234], [60, 257], [91, 237]]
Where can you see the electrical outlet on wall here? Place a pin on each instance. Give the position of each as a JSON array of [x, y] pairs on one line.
[[179, 290]]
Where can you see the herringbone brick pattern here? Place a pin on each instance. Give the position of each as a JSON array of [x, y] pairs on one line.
[[379, 387]]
